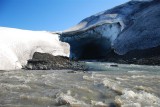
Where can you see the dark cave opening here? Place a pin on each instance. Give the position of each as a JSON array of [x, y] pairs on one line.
[[92, 50]]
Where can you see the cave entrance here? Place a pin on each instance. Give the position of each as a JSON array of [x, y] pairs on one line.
[[92, 51]]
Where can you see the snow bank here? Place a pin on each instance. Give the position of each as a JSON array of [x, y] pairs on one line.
[[117, 14], [17, 46]]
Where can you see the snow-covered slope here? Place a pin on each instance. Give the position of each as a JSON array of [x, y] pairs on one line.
[[120, 14], [17, 46]]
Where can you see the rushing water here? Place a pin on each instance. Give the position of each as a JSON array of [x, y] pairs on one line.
[[103, 86]]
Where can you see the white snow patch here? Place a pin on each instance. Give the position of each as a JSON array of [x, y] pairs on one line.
[[77, 27], [82, 26], [17, 46]]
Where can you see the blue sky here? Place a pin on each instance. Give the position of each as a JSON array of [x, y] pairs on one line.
[[50, 15]]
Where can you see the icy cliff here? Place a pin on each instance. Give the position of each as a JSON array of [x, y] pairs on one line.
[[17, 46], [120, 30]]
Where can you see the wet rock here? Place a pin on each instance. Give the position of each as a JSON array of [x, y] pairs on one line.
[[149, 56], [71, 72], [114, 65], [45, 61]]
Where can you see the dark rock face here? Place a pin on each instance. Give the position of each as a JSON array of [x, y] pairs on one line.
[[142, 33], [150, 56], [142, 61], [129, 33], [45, 61]]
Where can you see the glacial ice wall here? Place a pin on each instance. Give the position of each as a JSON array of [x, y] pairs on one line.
[[142, 33], [92, 43], [127, 27], [17, 46]]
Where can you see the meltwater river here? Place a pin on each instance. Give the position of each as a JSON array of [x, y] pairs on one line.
[[102, 86]]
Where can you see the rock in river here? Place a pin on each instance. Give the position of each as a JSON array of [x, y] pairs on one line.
[[45, 61]]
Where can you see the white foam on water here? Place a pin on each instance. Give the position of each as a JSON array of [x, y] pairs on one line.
[[36, 100], [15, 87], [84, 89], [67, 99], [98, 104], [143, 88], [130, 98], [136, 71], [18, 77], [138, 76], [121, 79], [112, 84]]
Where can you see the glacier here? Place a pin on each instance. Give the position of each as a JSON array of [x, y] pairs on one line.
[[17, 46], [129, 27]]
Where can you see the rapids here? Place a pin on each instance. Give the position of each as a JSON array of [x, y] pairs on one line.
[[104, 85]]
